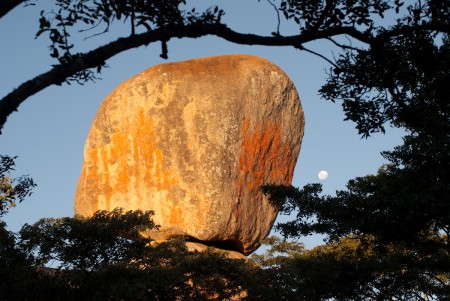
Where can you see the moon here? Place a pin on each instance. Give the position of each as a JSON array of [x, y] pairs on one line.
[[323, 175]]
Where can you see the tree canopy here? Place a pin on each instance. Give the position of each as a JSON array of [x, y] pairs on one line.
[[105, 258], [397, 221], [160, 21], [12, 190]]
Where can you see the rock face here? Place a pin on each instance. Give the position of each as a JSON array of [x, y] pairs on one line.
[[194, 141]]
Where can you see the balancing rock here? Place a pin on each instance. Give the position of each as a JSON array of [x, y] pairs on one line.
[[194, 141]]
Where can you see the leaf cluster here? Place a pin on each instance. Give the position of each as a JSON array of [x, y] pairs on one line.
[[88, 15], [318, 15], [388, 235], [400, 80], [351, 269], [87, 244], [12, 190], [105, 258]]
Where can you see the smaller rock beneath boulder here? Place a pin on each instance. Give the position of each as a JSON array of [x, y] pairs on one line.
[[199, 247]]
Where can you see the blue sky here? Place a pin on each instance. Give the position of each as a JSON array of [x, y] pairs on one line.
[[49, 130]]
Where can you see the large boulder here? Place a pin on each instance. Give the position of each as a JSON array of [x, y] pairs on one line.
[[194, 141]]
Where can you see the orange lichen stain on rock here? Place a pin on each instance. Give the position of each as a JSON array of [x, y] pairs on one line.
[[117, 155], [176, 216], [264, 157], [97, 176], [148, 158], [132, 153]]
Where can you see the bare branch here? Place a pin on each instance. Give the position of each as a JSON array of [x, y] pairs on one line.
[[278, 16], [59, 73], [343, 46], [425, 26], [8, 5], [320, 55]]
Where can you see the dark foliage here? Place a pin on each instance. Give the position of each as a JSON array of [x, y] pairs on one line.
[[105, 258], [12, 190], [159, 21], [396, 222]]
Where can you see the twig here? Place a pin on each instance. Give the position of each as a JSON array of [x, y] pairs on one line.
[[278, 16], [343, 46], [301, 47]]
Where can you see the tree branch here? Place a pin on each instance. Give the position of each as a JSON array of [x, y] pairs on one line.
[[8, 5], [320, 55], [402, 30], [343, 46], [59, 73]]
